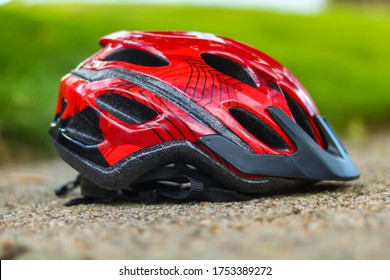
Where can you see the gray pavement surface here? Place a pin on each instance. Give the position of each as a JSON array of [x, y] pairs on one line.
[[325, 221]]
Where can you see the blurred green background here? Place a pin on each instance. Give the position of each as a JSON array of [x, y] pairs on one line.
[[341, 55]]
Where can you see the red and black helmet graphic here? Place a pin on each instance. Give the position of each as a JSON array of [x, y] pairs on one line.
[[152, 106]]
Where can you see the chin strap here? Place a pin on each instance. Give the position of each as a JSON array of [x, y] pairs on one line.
[[190, 185], [67, 187], [91, 193], [168, 184]]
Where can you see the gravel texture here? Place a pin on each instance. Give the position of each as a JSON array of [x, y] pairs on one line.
[[326, 221]]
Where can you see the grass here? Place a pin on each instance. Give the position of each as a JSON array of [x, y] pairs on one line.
[[342, 57]]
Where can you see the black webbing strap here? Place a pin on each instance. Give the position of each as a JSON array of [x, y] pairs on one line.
[[201, 187], [67, 187], [98, 192], [185, 184]]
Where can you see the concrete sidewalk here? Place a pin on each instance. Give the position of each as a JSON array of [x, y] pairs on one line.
[[325, 221]]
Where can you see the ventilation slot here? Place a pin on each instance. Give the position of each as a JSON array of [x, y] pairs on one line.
[[125, 109], [228, 67], [259, 128], [84, 127], [61, 107], [264, 77], [300, 115], [137, 57]]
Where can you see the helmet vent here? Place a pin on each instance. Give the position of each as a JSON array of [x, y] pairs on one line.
[[300, 115], [61, 106], [125, 109], [259, 129], [84, 127], [229, 67], [137, 57]]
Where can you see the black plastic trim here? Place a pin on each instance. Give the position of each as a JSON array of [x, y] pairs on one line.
[[309, 162]]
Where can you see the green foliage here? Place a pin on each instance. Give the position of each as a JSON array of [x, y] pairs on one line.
[[341, 56]]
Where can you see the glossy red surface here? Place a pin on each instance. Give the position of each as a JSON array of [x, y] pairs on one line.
[[211, 90]]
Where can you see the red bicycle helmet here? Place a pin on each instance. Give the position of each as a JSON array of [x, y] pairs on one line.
[[188, 115]]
